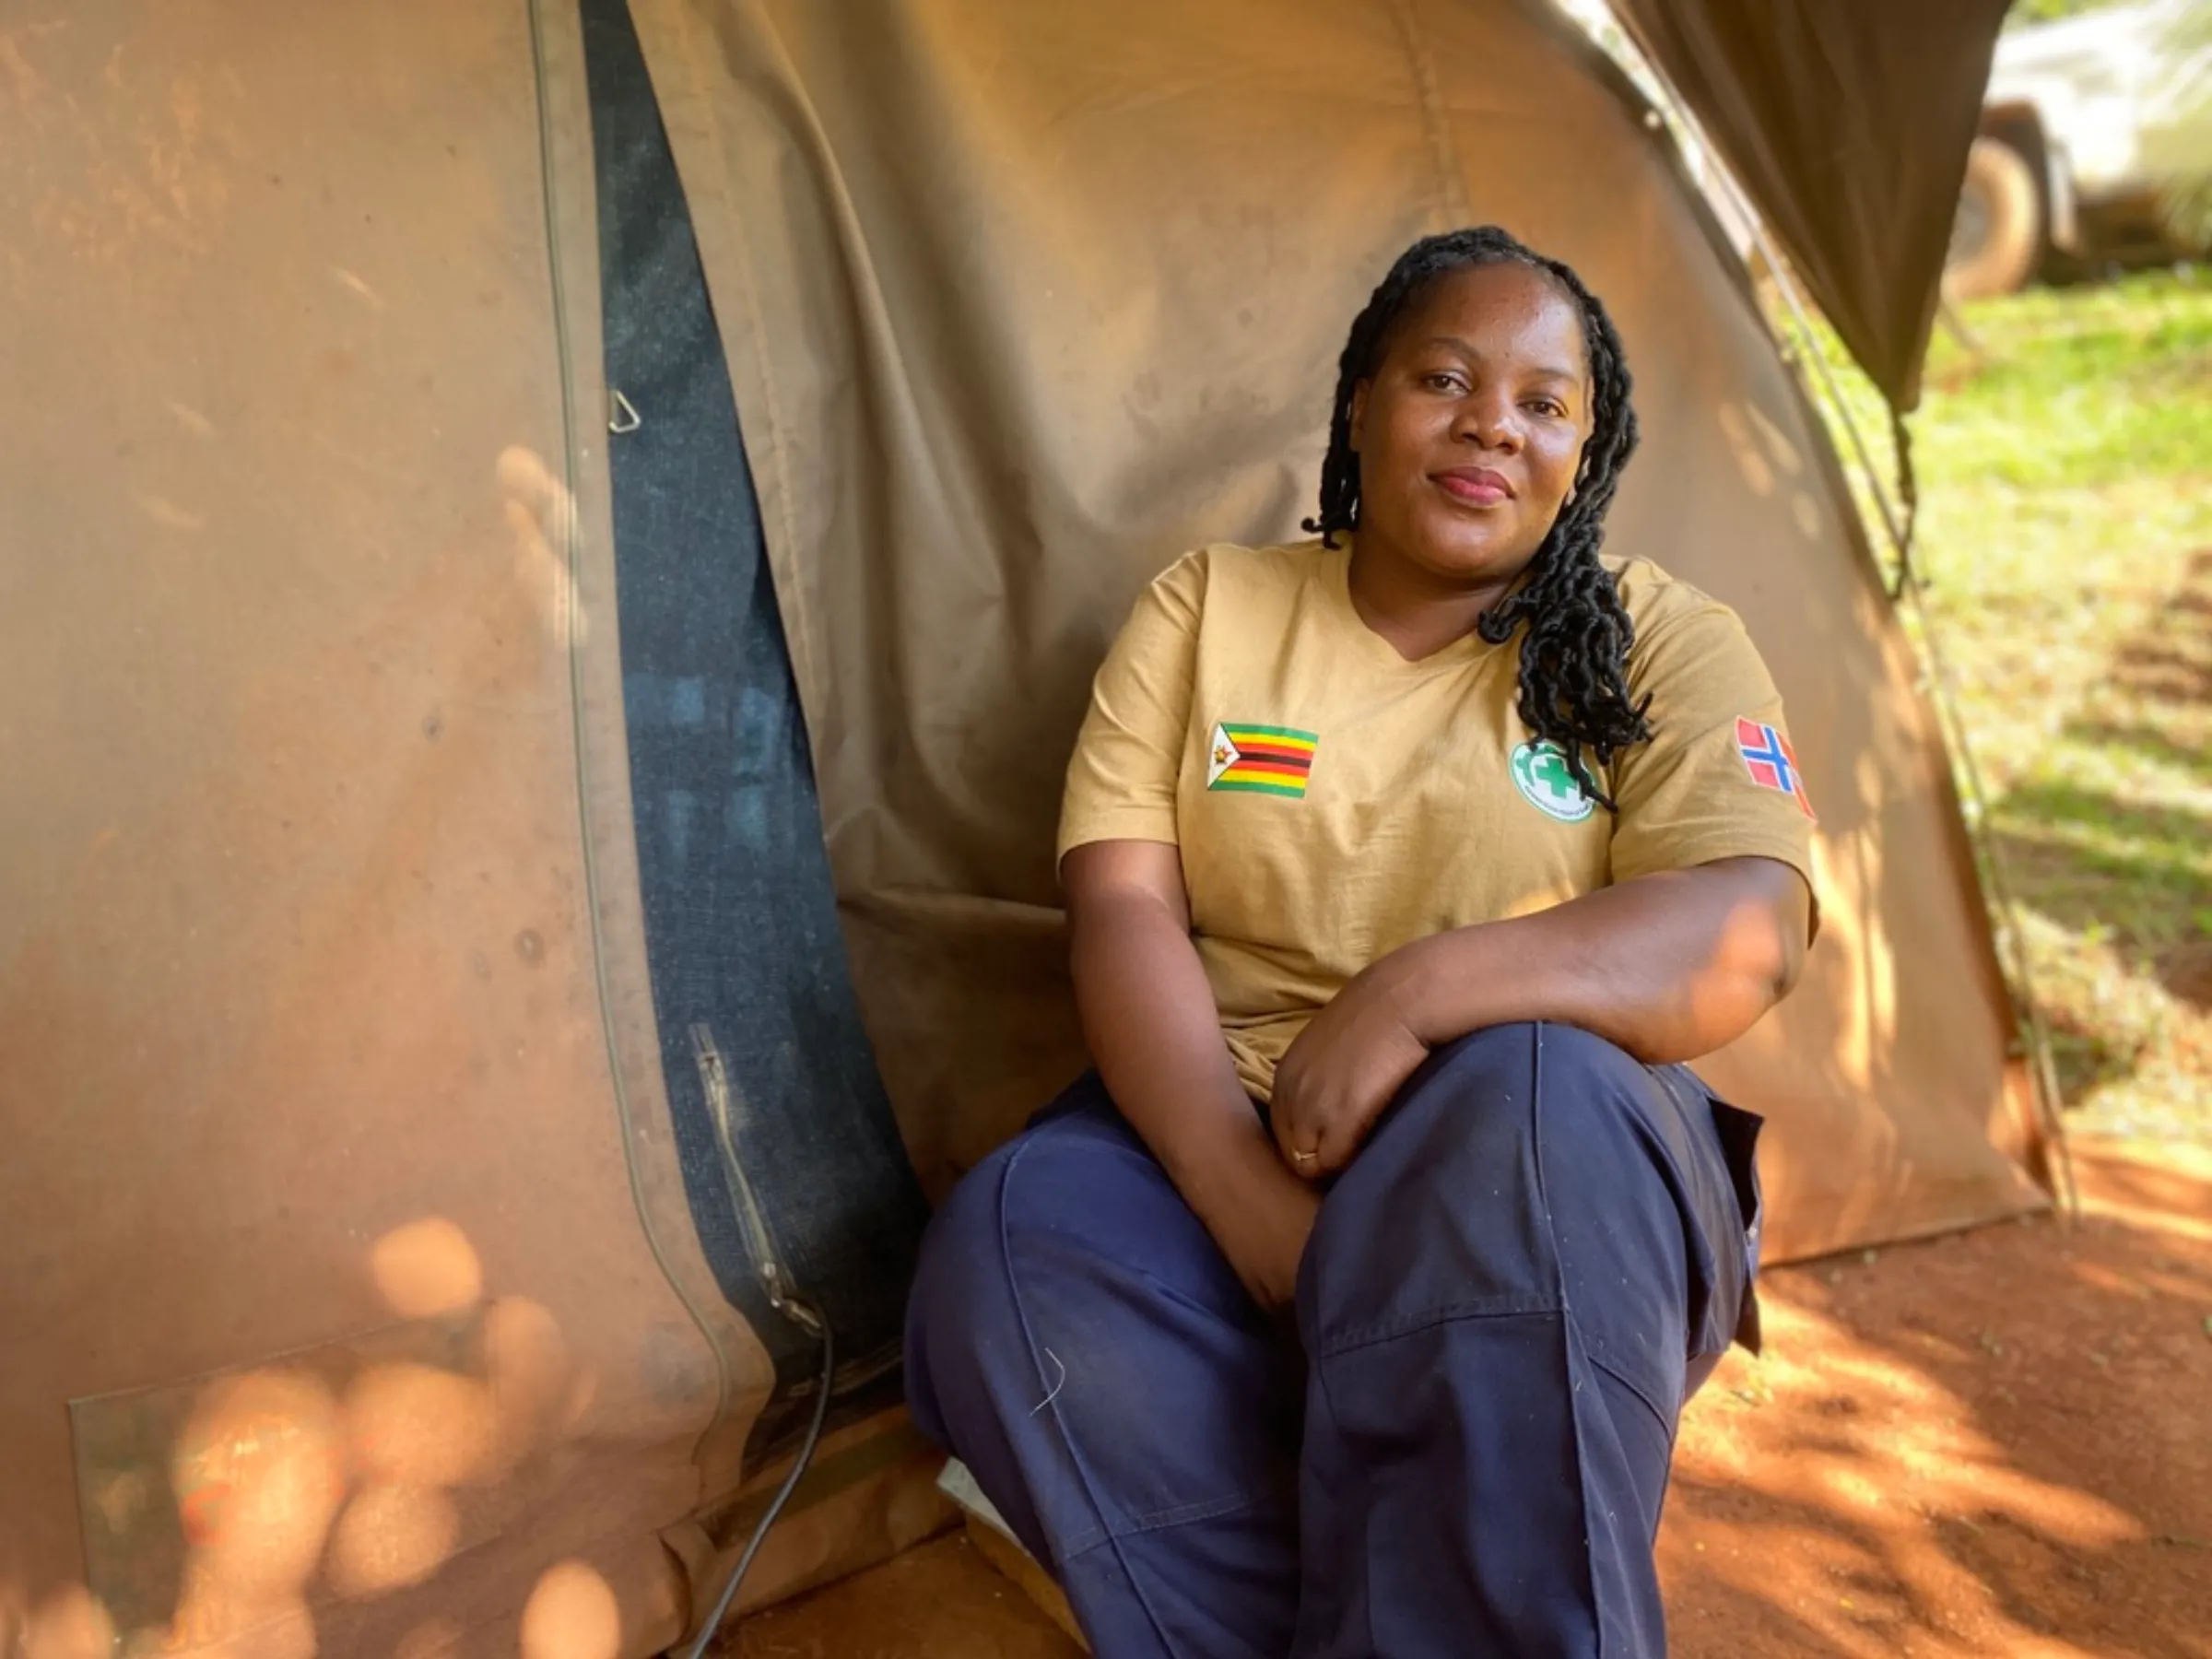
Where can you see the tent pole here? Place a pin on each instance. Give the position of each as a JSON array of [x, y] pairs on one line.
[[2044, 1069]]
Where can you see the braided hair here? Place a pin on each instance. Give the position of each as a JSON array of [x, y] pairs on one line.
[[1574, 656]]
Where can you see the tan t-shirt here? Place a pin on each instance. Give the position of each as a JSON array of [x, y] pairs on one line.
[[1333, 801]]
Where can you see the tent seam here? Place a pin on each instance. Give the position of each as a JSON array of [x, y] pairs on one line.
[[1451, 207]]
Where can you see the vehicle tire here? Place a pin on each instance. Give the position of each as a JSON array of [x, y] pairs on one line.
[[1997, 236]]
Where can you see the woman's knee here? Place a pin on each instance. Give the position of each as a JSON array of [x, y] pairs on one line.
[[959, 1294], [1066, 1272], [1042, 1226], [1531, 1053], [1484, 1099], [1449, 1203]]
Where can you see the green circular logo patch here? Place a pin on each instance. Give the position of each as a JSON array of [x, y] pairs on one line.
[[1541, 774]]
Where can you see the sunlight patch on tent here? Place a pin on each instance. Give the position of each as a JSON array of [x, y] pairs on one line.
[[427, 1267], [573, 1613]]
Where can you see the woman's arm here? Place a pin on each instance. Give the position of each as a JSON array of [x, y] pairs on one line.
[[1667, 966], [1149, 1017]]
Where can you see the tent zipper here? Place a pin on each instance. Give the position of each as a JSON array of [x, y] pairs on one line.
[[714, 1078]]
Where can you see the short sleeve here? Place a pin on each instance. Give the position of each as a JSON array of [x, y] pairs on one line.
[[1122, 780], [1719, 777]]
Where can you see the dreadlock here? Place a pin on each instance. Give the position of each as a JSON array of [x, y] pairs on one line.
[[1574, 656]]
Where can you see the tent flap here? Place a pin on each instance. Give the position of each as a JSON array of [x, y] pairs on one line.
[[1848, 125], [324, 1262]]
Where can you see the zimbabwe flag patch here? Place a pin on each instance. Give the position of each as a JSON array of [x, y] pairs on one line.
[[1263, 759]]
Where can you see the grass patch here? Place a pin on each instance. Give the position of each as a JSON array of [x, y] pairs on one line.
[[2076, 390], [2064, 451]]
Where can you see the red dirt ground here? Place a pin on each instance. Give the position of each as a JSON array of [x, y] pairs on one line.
[[1995, 1446]]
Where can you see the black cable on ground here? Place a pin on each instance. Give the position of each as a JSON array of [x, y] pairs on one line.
[[812, 1318]]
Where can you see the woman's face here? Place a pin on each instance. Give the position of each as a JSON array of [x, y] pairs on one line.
[[1470, 432]]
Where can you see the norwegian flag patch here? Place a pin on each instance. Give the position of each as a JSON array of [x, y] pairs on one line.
[[1772, 762]]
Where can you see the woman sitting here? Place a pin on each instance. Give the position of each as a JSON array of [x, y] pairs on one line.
[[1403, 868]]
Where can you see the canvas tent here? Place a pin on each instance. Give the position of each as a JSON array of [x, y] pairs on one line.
[[549, 561]]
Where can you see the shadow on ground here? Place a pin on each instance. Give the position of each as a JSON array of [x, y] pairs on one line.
[[1994, 1444]]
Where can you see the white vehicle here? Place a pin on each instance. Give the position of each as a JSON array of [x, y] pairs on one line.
[[2086, 122]]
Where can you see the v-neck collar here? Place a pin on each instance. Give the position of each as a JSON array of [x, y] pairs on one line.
[[1469, 648]]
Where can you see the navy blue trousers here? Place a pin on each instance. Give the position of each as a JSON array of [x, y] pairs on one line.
[[1542, 1250]]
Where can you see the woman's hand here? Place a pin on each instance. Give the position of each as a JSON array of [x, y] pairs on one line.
[[1150, 1019], [1342, 1070], [1263, 1234]]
